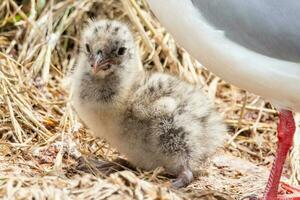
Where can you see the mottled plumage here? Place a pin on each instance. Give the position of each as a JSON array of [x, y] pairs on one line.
[[153, 119]]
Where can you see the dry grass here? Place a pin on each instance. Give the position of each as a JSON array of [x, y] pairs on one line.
[[41, 137]]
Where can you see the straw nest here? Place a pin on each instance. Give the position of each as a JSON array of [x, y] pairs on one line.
[[41, 138]]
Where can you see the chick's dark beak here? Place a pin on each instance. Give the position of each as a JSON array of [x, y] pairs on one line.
[[102, 65]]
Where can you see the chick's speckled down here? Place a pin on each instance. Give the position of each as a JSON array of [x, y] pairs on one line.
[[153, 119]]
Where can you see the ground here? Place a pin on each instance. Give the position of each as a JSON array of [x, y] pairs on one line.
[[41, 138]]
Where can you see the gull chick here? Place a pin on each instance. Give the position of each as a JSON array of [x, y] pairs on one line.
[[155, 120]]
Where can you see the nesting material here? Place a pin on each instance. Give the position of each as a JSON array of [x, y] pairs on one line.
[[39, 42]]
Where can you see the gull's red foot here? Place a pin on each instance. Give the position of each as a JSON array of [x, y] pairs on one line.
[[288, 188], [285, 192], [288, 192]]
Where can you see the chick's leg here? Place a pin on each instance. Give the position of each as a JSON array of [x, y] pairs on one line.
[[184, 178]]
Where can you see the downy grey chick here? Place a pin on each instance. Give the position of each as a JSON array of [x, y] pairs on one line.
[[154, 119]]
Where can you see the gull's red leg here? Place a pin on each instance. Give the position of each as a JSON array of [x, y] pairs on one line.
[[286, 129]]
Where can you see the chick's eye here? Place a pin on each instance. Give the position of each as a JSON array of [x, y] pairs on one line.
[[99, 52], [88, 49], [121, 51]]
